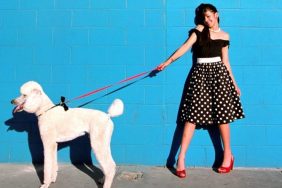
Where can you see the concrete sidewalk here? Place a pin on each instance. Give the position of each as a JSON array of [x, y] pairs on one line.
[[70, 176]]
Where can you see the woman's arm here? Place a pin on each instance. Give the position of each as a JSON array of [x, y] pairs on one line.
[[179, 52], [225, 60]]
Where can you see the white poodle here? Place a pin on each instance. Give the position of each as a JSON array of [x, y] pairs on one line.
[[57, 125]]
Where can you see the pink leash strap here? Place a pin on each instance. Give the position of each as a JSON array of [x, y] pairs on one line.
[[108, 86]]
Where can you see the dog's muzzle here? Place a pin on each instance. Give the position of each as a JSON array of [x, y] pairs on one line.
[[19, 105]]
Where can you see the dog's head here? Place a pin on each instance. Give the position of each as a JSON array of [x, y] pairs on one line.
[[30, 99]]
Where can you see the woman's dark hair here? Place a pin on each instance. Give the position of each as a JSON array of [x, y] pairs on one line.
[[200, 19]]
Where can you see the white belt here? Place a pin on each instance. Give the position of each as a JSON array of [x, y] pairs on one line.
[[209, 60]]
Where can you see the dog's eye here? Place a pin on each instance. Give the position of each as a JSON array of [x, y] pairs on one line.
[[24, 95]]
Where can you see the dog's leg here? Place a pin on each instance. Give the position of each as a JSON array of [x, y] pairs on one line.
[[102, 151], [55, 164], [107, 163], [48, 162]]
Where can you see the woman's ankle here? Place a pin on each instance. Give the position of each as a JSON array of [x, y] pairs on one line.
[[227, 153], [180, 163]]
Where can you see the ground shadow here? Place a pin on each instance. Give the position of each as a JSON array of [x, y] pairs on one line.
[[80, 156], [80, 149]]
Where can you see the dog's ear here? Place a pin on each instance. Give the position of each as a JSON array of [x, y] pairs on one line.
[[37, 91]]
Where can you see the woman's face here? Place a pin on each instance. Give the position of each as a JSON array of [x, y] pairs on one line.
[[211, 18]]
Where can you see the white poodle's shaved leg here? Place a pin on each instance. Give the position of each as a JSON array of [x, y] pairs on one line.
[[103, 155], [55, 164], [109, 168], [48, 162]]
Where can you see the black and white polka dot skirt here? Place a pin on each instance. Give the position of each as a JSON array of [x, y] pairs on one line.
[[209, 96]]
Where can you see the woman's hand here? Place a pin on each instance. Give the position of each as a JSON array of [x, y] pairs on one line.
[[162, 66], [238, 90]]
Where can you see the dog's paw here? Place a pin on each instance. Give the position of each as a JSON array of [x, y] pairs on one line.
[[54, 177], [44, 185]]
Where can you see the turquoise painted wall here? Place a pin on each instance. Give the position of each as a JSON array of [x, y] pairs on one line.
[[75, 46]]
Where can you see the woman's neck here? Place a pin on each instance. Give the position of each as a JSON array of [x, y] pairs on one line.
[[215, 28]]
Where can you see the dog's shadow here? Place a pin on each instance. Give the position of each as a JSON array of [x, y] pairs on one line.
[[80, 148]]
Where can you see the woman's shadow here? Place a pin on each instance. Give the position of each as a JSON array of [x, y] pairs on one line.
[[80, 149]]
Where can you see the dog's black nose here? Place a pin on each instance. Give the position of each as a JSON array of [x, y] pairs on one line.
[[13, 101]]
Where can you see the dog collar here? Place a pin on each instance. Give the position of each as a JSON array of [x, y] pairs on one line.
[[62, 103]]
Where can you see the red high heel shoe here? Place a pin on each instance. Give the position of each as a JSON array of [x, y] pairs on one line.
[[224, 170], [180, 173]]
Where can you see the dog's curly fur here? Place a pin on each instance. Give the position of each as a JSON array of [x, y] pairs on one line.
[[57, 125]]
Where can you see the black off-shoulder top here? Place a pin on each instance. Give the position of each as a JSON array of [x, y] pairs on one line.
[[211, 48]]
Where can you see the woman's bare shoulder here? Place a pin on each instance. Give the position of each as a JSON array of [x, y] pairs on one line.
[[225, 35]]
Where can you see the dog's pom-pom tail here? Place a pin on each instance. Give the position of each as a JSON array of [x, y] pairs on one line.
[[116, 108]]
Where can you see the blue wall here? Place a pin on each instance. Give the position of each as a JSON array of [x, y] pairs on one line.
[[74, 46]]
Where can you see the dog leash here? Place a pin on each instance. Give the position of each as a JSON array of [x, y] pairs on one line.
[[63, 102]]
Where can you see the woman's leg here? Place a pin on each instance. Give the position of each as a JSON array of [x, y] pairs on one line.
[[225, 136], [186, 139]]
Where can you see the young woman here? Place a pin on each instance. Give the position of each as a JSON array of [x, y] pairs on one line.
[[212, 96]]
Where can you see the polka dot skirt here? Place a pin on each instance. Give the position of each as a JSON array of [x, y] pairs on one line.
[[210, 96]]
